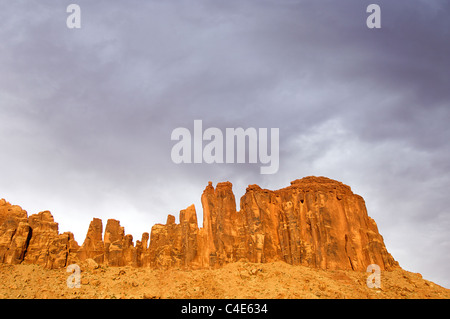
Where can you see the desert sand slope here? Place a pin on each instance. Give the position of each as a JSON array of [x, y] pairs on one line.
[[238, 280]]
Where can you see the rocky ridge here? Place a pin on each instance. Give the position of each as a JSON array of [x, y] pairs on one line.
[[315, 222]]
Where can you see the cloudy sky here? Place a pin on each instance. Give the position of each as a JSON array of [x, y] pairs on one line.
[[86, 115]]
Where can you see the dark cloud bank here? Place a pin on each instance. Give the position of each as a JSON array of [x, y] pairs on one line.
[[86, 115]]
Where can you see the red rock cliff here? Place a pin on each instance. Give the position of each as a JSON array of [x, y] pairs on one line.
[[316, 222]]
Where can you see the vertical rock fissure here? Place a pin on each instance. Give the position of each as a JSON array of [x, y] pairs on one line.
[[346, 252]]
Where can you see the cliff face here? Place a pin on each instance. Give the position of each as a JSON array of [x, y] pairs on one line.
[[33, 239], [315, 222]]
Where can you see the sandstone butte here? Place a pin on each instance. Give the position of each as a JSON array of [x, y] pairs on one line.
[[315, 222]]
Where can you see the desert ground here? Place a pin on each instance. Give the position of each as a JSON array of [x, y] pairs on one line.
[[241, 280]]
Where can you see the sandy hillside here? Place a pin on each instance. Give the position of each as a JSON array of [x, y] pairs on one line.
[[237, 280]]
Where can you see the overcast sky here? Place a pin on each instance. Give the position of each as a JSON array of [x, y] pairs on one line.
[[86, 115]]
